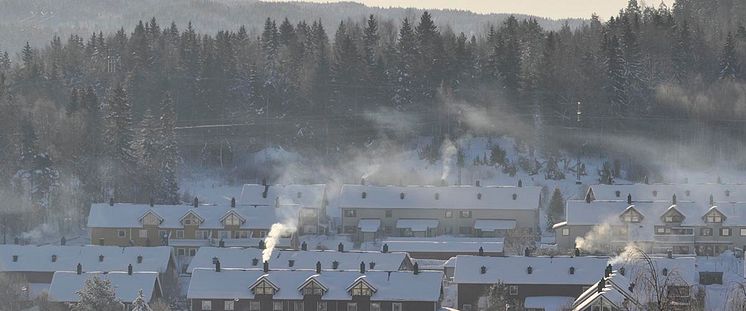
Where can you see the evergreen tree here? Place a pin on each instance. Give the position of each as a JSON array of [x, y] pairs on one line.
[[119, 135], [508, 56], [556, 212], [404, 75], [97, 295], [499, 298], [74, 104], [728, 62], [139, 304], [168, 189], [617, 85]]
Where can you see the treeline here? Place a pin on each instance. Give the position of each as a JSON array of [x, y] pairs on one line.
[[101, 111]]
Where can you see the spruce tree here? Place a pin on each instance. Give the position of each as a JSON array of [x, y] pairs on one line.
[[556, 211], [119, 136], [139, 304], [97, 295], [168, 188], [404, 75], [728, 62]]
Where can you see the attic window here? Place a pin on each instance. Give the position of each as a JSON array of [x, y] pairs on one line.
[[364, 195], [572, 270], [360, 289], [655, 193], [479, 196], [530, 269], [618, 193], [54, 258], [15, 258], [483, 270], [313, 288], [515, 196], [299, 195], [401, 195], [264, 288], [437, 196], [727, 193]]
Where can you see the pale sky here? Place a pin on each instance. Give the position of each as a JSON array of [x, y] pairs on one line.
[[543, 8]]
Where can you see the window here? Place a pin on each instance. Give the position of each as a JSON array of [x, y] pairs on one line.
[[232, 220], [351, 306], [631, 216], [705, 232], [228, 305], [298, 306], [465, 214], [321, 306], [179, 234], [724, 231], [206, 305], [151, 220], [264, 288], [714, 218], [277, 306], [202, 234], [388, 229], [143, 234], [180, 252], [224, 234], [669, 218], [396, 306], [662, 230], [360, 289], [388, 213], [121, 233], [254, 306], [187, 221], [162, 233], [513, 290], [313, 288], [565, 231], [449, 214], [743, 231], [243, 234], [375, 306], [350, 213]]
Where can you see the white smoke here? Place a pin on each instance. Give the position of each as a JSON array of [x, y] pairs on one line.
[[448, 152], [277, 231], [597, 240]]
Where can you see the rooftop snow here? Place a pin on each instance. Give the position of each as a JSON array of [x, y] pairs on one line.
[[243, 259], [66, 284], [514, 270], [125, 215], [686, 192], [453, 197], [307, 196], [580, 212], [437, 245], [369, 225], [39, 258], [390, 286]]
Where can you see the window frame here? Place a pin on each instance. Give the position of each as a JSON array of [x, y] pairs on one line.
[[352, 306], [449, 214], [121, 233], [725, 231], [349, 212], [397, 306], [206, 305], [388, 213], [255, 305], [743, 231], [179, 234], [142, 233], [361, 289], [229, 305], [375, 306], [278, 306], [565, 231], [464, 214], [513, 290], [263, 288], [705, 232]]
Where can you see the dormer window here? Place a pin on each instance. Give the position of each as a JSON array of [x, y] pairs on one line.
[[673, 216], [191, 219], [631, 216], [232, 219], [151, 219], [312, 287], [618, 193], [361, 288], [714, 217], [264, 287]]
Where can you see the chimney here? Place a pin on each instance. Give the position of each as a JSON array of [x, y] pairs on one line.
[[233, 202], [54, 258], [304, 246], [527, 252], [477, 183], [196, 202], [266, 191], [129, 269], [254, 262], [100, 258], [607, 271], [631, 287], [629, 198], [481, 251], [16, 241], [221, 243], [673, 199], [588, 198], [318, 267], [335, 265], [520, 183], [362, 267], [669, 254], [340, 247], [362, 181], [264, 181], [483, 270], [622, 271], [720, 181], [265, 267], [646, 180], [217, 265], [261, 244], [79, 269], [139, 259], [601, 285], [111, 201], [63, 241], [386, 248], [530, 270], [443, 182], [152, 203], [416, 268], [371, 265], [291, 263]]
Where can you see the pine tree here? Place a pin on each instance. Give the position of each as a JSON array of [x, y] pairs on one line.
[[74, 104], [139, 304], [4, 61], [683, 54], [168, 189], [617, 85], [148, 147], [556, 210], [404, 76], [508, 56], [97, 295], [728, 62], [119, 135]]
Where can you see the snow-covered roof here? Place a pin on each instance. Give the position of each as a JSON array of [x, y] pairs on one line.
[[431, 197], [126, 215], [614, 290], [515, 270], [306, 196], [417, 224], [438, 245], [243, 258], [369, 225], [579, 212], [390, 286], [66, 258], [687, 192], [494, 224], [677, 270], [66, 284], [548, 303]]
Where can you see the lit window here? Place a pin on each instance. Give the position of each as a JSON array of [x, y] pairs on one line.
[[565, 231], [724, 231], [143, 233], [465, 214], [360, 289], [351, 306], [179, 234], [743, 231], [396, 306], [669, 219], [449, 214], [206, 305], [228, 305], [714, 218]]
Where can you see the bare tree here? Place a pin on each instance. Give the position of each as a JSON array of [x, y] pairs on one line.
[[14, 291]]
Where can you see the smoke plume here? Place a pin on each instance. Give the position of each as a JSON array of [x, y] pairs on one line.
[[447, 151], [277, 231], [597, 240]]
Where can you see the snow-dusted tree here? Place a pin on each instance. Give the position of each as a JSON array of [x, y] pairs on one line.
[[12, 292], [728, 61], [97, 295], [168, 188], [119, 136], [736, 297], [139, 304], [556, 208], [499, 298]]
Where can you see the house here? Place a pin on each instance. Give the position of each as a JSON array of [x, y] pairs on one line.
[[308, 202], [613, 292], [379, 212], [701, 193], [444, 247], [524, 277], [186, 228], [684, 227], [126, 285], [251, 258], [314, 290]]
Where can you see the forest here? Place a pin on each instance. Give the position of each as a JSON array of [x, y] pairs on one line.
[[100, 113]]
